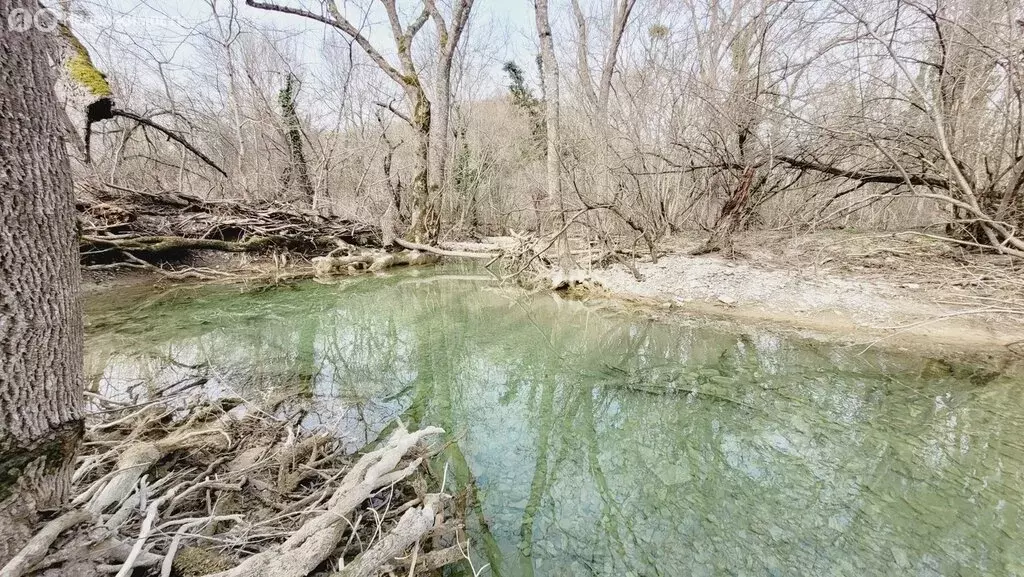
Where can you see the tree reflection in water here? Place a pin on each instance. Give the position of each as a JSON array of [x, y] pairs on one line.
[[605, 444]]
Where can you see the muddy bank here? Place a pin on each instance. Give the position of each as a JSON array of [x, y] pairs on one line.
[[872, 290]]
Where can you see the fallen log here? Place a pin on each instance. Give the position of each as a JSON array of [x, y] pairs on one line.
[[117, 221], [126, 228], [325, 266], [442, 252], [154, 245]]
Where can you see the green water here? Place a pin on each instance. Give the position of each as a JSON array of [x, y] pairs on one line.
[[607, 444]]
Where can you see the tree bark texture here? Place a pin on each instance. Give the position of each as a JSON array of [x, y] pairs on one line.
[[40, 318], [422, 214]]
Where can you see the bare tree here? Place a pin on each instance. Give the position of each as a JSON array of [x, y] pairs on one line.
[[228, 32], [406, 76], [549, 72], [598, 93], [694, 116], [448, 43]]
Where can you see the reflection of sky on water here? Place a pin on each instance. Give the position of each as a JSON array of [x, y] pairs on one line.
[[609, 445]]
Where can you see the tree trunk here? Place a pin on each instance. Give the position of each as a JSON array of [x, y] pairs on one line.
[[441, 137], [549, 75], [40, 319], [422, 213], [82, 92], [297, 170], [730, 218], [599, 97]]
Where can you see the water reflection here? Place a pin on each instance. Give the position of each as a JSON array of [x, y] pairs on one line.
[[606, 445]]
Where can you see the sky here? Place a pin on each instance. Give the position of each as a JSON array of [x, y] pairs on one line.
[[505, 28]]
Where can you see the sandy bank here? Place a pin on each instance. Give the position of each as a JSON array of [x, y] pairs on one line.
[[865, 289]]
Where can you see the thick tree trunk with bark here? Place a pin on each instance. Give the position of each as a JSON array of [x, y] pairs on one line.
[[83, 95], [422, 213], [40, 319], [297, 170], [441, 137]]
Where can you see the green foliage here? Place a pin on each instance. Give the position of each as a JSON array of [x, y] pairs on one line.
[[293, 134], [522, 97], [81, 68], [286, 96]]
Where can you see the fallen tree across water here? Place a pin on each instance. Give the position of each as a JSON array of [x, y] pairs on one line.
[[187, 486], [369, 261]]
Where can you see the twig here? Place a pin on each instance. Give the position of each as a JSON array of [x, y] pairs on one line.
[[147, 528]]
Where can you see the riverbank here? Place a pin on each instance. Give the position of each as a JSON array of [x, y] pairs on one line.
[[870, 289], [574, 427], [900, 290]]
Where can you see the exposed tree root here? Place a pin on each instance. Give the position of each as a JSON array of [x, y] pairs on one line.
[[160, 244], [314, 541], [185, 486], [123, 228], [160, 232], [36, 549]]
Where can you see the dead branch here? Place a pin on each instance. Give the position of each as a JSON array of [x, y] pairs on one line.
[[170, 134], [191, 472], [443, 252], [36, 549]]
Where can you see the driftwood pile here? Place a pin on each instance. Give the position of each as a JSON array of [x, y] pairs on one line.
[[185, 486], [166, 232], [124, 226]]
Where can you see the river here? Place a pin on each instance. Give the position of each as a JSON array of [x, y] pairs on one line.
[[605, 443]]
